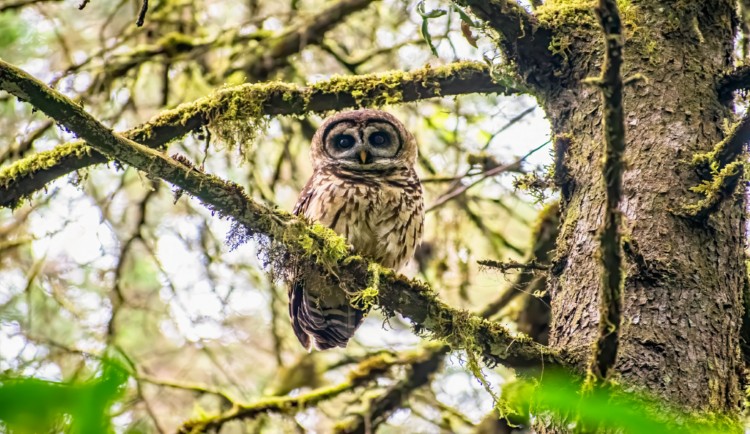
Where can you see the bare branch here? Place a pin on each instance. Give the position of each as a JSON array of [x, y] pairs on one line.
[[605, 350], [460, 189], [276, 50], [263, 99], [317, 244], [260, 54]]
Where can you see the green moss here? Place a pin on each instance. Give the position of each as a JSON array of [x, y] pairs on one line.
[[236, 115], [713, 160], [516, 400], [373, 364], [569, 18], [27, 167], [366, 298], [714, 191], [321, 243], [559, 13], [367, 91]]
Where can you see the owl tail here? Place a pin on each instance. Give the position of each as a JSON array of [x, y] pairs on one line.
[[319, 326]]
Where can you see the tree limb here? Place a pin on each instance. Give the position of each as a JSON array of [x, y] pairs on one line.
[[261, 54], [18, 4], [523, 39], [610, 303], [377, 411], [735, 80], [720, 170], [366, 371], [257, 100], [313, 243], [277, 50]]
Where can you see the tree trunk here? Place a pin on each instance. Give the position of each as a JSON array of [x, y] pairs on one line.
[[682, 296]]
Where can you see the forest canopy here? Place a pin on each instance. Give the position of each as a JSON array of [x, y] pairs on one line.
[[582, 266]]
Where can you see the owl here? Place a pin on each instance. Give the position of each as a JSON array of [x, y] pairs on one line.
[[365, 188]]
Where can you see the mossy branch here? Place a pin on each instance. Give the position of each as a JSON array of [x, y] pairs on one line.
[[375, 411], [610, 82], [724, 152], [412, 299], [250, 102], [715, 190], [366, 371], [720, 170]]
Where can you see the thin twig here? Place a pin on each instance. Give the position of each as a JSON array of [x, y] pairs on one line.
[[142, 13], [512, 265], [452, 194]]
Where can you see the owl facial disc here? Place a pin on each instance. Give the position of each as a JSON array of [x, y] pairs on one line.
[[364, 140]]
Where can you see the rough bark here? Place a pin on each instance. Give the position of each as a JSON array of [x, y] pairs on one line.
[[682, 296]]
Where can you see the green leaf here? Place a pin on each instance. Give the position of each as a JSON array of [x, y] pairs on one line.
[[464, 17], [427, 38], [601, 409], [435, 13]]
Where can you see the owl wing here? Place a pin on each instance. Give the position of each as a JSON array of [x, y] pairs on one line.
[[323, 322], [304, 197]]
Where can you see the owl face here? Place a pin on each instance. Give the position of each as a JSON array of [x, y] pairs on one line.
[[363, 140]]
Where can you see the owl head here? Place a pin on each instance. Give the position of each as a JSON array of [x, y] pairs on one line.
[[363, 140]]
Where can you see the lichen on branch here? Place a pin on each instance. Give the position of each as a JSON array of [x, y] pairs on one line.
[[239, 110]]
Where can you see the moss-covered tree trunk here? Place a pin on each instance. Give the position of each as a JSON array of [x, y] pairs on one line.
[[682, 295]]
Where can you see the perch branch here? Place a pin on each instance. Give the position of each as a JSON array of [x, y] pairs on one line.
[[412, 299], [264, 99]]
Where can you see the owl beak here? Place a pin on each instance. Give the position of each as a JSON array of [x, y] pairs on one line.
[[363, 156]]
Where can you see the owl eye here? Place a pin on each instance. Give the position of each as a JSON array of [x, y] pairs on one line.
[[379, 139], [343, 141]]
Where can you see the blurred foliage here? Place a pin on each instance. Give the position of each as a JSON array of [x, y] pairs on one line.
[[30, 405], [565, 398]]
